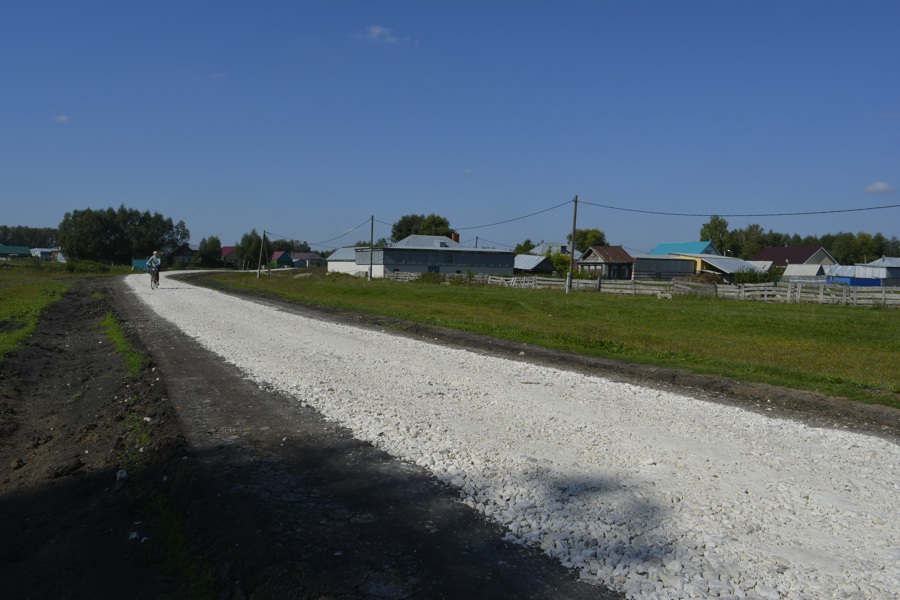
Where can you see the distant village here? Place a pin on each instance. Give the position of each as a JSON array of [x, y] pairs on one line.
[[445, 255]]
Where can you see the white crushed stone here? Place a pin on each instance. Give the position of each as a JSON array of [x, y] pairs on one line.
[[652, 493]]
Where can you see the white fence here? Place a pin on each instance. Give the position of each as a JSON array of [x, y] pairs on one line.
[[793, 292]]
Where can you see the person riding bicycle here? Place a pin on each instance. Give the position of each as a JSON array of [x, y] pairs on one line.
[[153, 264]]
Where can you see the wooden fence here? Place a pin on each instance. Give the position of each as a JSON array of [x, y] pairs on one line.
[[796, 292]]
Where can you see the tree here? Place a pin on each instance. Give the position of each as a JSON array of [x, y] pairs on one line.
[[290, 246], [379, 243], [116, 236], [525, 247], [561, 262], [842, 248], [867, 248], [248, 249], [408, 225], [585, 238], [715, 232], [33, 237], [210, 252]]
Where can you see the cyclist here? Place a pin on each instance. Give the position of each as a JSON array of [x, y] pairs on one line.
[[153, 264]]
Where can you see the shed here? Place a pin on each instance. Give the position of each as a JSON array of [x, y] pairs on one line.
[[662, 267], [343, 260], [15, 251], [531, 263], [725, 267], [282, 258], [813, 272], [307, 260]]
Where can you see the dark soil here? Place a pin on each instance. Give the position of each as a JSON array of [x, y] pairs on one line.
[[233, 491]]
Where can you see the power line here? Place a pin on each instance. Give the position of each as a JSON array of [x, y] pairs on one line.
[[514, 219], [342, 235], [789, 214], [495, 243]]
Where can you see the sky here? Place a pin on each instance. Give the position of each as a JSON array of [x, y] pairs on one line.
[[309, 119]]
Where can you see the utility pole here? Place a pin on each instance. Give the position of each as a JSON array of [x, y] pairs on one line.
[[371, 245], [572, 246], [476, 241], [262, 246], [262, 243]]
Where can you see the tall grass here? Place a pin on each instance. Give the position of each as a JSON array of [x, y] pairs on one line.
[[836, 350]]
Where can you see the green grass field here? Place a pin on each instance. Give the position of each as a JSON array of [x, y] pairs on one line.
[[840, 351]]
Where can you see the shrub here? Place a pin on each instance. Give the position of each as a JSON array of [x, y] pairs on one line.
[[431, 278], [86, 266]]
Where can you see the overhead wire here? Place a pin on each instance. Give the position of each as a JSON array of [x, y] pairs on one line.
[[342, 235], [515, 218], [786, 214]]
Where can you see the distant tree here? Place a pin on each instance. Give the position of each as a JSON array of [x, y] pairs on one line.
[[892, 247], [525, 247], [842, 248], [33, 237], [408, 225], [716, 232], [379, 243], [247, 250], [210, 252], [867, 247], [290, 246], [585, 238], [116, 236]]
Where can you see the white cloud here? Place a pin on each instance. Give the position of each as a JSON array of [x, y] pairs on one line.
[[61, 118], [379, 34], [880, 187]]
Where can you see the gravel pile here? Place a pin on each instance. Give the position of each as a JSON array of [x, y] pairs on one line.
[[653, 493]]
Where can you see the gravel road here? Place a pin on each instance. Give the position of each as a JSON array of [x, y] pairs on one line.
[[652, 493]]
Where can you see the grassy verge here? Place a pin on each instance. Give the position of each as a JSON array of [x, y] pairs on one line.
[[835, 350], [24, 294], [134, 360]]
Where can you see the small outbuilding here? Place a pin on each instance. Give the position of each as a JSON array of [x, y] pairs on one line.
[[282, 258], [532, 264], [307, 260]]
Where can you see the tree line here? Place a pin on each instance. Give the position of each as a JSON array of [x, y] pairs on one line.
[[116, 236], [846, 248], [32, 237]]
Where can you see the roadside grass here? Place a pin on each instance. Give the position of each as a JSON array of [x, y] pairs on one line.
[[27, 287], [835, 350], [134, 360], [24, 294]]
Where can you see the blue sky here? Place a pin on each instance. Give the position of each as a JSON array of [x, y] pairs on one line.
[[306, 118]]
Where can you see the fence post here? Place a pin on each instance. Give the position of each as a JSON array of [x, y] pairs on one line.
[[822, 293]]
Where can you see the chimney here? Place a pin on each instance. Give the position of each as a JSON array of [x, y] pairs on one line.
[[455, 237]]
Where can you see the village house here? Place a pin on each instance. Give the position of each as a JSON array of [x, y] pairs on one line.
[[609, 262]]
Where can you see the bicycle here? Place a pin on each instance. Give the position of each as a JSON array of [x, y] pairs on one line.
[[154, 277]]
